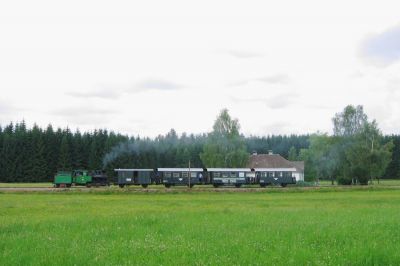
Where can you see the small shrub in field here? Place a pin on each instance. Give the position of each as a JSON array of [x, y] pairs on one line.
[[344, 181], [361, 174], [363, 180]]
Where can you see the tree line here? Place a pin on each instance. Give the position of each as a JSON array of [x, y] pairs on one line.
[[35, 154], [357, 152]]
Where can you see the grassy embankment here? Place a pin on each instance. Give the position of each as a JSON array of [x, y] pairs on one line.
[[359, 227]]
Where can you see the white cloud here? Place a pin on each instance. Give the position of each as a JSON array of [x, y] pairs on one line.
[[157, 84], [278, 69], [383, 48]]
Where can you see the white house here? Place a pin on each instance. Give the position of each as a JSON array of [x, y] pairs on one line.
[[271, 160]]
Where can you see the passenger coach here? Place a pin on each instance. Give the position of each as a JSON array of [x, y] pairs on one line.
[[275, 176], [180, 176], [230, 176]]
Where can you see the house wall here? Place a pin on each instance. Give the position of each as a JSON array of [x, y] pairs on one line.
[[299, 176]]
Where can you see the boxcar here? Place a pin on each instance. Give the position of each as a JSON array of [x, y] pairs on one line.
[[142, 177], [275, 176], [180, 176], [230, 176]]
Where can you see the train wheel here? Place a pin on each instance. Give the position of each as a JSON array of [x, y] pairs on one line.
[[121, 185], [215, 185], [191, 185], [68, 185], [283, 185], [263, 185], [88, 185], [167, 185], [144, 185], [238, 185]]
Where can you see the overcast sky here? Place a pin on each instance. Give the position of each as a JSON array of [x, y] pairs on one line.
[[143, 67]]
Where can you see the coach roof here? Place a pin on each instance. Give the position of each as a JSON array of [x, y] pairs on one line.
[[228, 170], [180, 169], [131, 170]]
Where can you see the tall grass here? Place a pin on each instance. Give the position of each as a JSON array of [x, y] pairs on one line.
[[202, 228]]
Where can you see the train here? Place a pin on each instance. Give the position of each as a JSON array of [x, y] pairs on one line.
[[81, 178], [169, 177]]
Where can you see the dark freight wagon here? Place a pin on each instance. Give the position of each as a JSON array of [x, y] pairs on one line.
[[275, 176], [230, 176], [142, 177], [180, 176]]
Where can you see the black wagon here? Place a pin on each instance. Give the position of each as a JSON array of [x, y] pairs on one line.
[[138, 177], [181, 176], [230, 176], [275, 176]]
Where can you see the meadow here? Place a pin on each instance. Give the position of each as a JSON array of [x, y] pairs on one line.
[[291, 227]]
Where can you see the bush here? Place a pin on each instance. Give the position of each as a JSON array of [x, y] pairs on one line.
[[362, 180], [344, 181], [361, 174]]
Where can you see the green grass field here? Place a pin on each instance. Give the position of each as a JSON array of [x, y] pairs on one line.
[[323, 227], [26, 185]]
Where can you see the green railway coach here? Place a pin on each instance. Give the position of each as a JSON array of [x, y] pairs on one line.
[[63, 179]]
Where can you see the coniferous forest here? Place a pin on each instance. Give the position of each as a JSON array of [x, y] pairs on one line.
[[35, 154]]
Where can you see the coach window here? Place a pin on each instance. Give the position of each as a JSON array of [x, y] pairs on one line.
[[167, 174], [217, 174], [264, 174], [193, 174], [233, 174], [225, 175], [175, 175], [185, 174]]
